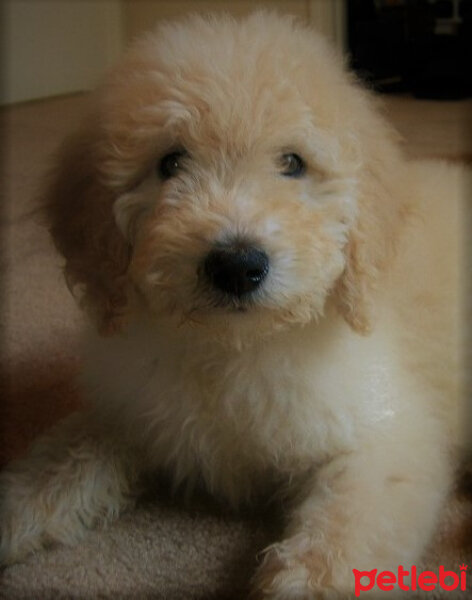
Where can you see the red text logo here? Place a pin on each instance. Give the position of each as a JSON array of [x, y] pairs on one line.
[[410, 580]]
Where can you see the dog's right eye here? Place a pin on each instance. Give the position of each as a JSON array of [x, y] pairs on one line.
[[170, 164], [292, 165]]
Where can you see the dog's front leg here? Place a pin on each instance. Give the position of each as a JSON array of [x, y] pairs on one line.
[[74, 478], [365, 510]]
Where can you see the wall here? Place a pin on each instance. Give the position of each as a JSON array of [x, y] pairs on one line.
[[326, 15], [51, 47]]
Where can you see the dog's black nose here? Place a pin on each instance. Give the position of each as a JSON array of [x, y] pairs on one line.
[[236, 269]]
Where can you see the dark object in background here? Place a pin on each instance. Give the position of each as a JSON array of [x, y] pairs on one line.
[[419, 46]]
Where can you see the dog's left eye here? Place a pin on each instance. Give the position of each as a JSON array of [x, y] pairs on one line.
[[292, 165], [170, 164]]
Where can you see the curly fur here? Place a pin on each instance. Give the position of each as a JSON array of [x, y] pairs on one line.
[[338, 382]]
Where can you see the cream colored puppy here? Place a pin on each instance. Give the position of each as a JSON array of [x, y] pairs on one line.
[[281, 293]]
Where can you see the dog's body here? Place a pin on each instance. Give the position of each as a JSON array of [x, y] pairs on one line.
[[286, 300]]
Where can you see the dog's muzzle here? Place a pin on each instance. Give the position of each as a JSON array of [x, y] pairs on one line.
[[236, 269]]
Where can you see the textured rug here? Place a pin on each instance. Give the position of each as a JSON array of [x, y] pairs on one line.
[[163, 549]]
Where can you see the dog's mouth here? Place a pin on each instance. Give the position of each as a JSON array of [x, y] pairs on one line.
[[211, 301]]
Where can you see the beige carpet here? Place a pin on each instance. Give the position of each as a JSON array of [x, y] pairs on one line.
[[162, 550]]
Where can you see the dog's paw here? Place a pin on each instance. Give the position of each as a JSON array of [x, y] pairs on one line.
[[21, 530], [28, 517], [73, 480], [37, 513], [292, 570], [15, 548]]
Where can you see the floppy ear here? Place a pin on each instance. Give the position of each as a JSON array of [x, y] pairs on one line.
[[79, 212], [382, 209]]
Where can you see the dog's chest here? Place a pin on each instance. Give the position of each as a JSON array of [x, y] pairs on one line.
[[235, 419], [241, 420]]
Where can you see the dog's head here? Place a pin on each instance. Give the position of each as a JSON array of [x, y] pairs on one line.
[[229, 171]]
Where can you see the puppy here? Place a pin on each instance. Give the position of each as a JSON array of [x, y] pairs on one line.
[[276, 292]]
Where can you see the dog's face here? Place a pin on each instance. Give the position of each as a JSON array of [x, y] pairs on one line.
[[238, 210], [223, 167]]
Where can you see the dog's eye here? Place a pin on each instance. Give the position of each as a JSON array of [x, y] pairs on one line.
[[292, 165], [170, 164]]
